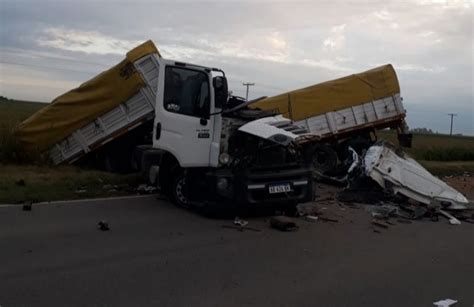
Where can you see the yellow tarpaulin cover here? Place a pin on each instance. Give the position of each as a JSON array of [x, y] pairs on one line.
[[334, 95], [80, 106]]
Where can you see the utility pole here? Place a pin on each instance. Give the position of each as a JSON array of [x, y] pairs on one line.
[[452, 116], [247, 94]]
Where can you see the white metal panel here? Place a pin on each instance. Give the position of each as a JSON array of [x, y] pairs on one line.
[[355, 116], [406, 176], [149, 69], [267, 127]]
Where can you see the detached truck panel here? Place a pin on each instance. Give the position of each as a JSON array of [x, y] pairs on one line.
[[113, 102]]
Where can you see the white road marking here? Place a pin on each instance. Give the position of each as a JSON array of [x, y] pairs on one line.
[[76, 201]]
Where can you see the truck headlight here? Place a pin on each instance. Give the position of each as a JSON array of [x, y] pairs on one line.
[[224, 158]]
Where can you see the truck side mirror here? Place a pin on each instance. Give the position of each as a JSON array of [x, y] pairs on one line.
[[220, 91]]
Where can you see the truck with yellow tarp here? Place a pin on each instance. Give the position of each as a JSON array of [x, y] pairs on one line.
[[166, 119], [116, 104], [176, 123], [343, 113]]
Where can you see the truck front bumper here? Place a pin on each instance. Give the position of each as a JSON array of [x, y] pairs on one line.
[[256, 186]]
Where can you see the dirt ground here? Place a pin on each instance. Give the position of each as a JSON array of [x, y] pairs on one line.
[[463, 183]]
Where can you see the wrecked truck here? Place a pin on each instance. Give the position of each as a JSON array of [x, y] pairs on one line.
[[343, 113], [175, 123]]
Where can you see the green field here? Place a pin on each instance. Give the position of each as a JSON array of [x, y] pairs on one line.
[[13, 112], [19, 183], [436, 147]]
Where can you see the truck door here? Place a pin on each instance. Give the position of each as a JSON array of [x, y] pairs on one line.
[[183, 125]]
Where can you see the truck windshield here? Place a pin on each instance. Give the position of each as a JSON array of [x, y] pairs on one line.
[[187, 92]]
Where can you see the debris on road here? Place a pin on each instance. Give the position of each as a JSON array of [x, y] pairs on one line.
[[146, 189], [452, 220], [399, 174], [311, 218], [327, 219], [239, 222], [445, 303], [20, 183], [310, 208], [103, 225], [283, 223], [27, 206], [392, 185]]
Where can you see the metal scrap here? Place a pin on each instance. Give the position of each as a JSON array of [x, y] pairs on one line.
[[239, 222], [380, 224], [452, 220], [283, 223], [397, 173], [327, 219], [445, 303], [27, 206], [103, 225]]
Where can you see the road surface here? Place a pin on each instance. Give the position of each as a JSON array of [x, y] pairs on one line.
[[159, 255]]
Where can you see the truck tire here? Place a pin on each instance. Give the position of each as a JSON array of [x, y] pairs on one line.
[[178, 189], [324, 158]]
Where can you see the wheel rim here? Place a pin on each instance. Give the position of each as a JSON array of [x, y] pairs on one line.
[[180, 185]]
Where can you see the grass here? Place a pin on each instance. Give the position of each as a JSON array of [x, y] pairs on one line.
[[13, 112], [19, 183], [443, 168], [436, 147]]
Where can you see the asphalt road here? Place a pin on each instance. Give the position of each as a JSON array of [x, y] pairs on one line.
[[159, 255]]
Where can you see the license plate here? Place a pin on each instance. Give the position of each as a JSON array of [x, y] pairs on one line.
[[279, 188]]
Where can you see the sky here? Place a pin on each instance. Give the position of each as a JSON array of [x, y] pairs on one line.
[[49, 46]]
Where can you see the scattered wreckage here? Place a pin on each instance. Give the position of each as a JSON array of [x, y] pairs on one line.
[[400, 187], [396, 172]]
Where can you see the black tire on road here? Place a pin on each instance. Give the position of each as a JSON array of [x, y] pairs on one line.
[[178, 189]]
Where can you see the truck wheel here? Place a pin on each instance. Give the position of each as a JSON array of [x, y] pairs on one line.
[[178, 190], [324, 158]]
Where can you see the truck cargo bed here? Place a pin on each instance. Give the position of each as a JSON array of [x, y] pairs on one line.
[[129, 115], [381, 113]]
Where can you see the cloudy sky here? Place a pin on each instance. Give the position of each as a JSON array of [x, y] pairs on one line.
[[50, 46]]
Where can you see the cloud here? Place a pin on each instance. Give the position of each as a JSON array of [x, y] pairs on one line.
[[277, 41], [84, 41], [336, 39], [420, 68], [383, 15], [333, 65]]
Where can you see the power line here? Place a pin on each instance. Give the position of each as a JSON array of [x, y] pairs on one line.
[[452, 116], [247, 92]]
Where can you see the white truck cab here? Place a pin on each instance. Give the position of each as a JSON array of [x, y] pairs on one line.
[[202, 153], [184, 125]]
